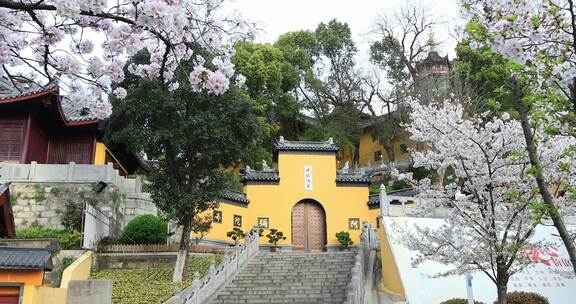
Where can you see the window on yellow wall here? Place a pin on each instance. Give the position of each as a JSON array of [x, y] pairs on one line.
[[403, 148], [378, 156]]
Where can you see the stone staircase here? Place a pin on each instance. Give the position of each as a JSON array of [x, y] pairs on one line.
[[291, 278]]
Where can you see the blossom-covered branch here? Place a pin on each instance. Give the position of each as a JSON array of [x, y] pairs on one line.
[[83, 44], [490, 194]]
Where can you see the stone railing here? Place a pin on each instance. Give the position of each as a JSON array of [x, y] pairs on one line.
[[69, 173], [202, 290], [360, 287]]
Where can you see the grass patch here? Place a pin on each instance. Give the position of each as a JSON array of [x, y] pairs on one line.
[[150, 285]]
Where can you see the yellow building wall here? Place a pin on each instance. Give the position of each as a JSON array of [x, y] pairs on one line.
[[369, 146], [276, 201], [219, 230], [100, 155], [44, 295], [373, 215], [79, 270], [391, 281]]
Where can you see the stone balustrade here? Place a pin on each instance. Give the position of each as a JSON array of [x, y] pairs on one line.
[[69, 173], [360, 287], [203, 290]]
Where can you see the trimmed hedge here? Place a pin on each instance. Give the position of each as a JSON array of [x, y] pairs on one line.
[[521, 297], [459, 301], [144, 229], [67, 240]]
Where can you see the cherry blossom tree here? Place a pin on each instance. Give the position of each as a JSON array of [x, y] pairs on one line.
[[490, 197], [539, 36], [83, 44]]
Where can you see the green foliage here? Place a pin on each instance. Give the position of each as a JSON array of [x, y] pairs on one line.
[[55, 191], [275, 236], [374, 189], [144, 229], [270, 82], [388, 54], [488, 74], [39, 193], [191, 134], [150, 286], [71, 217], [67, 240], [200, 226], [344, 239], [67, 261], [459, 301], [117, 196], [328, 83], [521, 297], [14, 197], [236, 234]]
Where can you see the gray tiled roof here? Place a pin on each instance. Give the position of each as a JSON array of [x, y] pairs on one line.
[[18, 258], [8, 90], [321, 146], [260, 176], [352, 178], [71, 112], [235, 196], [75, 113], [3, 187]]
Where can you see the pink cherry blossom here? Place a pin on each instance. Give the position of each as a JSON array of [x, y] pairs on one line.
[[49, 41], [120, 93]]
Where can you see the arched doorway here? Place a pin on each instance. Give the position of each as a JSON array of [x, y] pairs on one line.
[[308, 226]]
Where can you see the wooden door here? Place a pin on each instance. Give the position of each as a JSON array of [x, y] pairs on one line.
[[308, 227]]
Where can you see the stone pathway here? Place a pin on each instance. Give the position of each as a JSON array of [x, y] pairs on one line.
[[291, 278]]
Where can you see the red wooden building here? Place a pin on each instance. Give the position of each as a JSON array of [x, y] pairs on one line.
[[36, 125]]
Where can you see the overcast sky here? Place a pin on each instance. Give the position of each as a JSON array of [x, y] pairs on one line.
[[275, 17]]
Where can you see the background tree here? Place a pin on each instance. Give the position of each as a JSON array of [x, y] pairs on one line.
[[271, 81], [330, 85], [191, 134], [83, 45], [403, 40], [490, 201]]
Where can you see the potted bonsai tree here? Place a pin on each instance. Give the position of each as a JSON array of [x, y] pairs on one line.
[[236, 235], [274, 237], [345, 240]]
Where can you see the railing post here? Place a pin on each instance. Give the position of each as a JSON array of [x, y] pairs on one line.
[[32, 173], [196, 287], [109, 172], [70, 172], [384, 203]]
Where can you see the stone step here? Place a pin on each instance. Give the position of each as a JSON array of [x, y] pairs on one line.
[[291, 278]]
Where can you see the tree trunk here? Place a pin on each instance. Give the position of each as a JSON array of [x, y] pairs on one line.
[[502, 288], [181, 265], [543, 187]]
